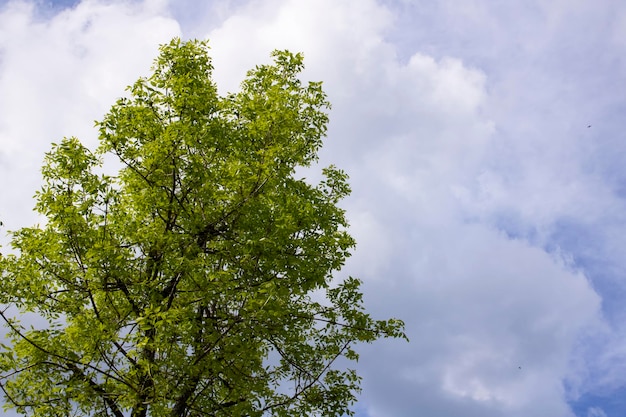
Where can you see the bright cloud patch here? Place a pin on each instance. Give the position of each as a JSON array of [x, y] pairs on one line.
[[59, 75]]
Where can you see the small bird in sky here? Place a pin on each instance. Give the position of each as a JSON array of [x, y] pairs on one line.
[[588, 126]]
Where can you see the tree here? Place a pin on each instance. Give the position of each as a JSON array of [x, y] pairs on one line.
[[197, 280]]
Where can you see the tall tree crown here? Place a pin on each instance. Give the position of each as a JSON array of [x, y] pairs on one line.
[[188, 284]]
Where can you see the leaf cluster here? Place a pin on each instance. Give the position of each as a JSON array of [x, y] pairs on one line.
[[188, 283]]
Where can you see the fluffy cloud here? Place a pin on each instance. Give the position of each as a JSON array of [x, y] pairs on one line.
[[492, 323], [60, 74]]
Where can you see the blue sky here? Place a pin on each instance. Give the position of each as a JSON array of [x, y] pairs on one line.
[[485, 144]]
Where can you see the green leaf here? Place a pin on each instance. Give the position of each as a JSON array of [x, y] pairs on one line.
[[183, 284]]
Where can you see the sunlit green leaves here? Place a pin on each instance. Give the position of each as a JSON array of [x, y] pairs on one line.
[[184, 285]]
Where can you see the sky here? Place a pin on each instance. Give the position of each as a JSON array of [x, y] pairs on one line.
[[485, 143]]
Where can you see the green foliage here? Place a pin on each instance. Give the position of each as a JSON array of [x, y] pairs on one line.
[[189, 284]]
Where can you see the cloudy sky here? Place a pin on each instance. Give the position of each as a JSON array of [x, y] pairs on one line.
[[485, 141]]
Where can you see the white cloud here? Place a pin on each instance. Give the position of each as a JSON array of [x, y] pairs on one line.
[[479, 307], [319, 29], [59, 75]]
